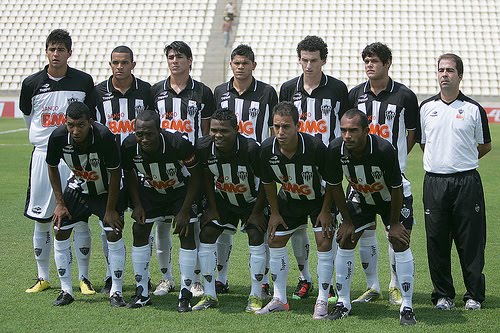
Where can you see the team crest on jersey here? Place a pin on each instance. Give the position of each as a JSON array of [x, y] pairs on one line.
[[274, 160], [243, 175], [307, 175], [377, 174], [405, 212], [171, 172], [44, 88], [297, 97], [363, 98], [139, 108], [326, 109], [390, 114], [94, 160], [253, 112], [192, 108], [68, 149], [72, 99]]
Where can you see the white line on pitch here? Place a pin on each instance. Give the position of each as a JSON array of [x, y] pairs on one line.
[[14, 131]]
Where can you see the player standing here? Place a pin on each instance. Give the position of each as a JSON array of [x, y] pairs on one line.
[[44, 98], [252, 101]]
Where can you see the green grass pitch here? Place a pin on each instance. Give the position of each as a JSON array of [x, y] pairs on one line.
[[23, 312]]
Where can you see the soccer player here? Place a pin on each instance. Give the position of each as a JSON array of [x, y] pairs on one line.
[[455, 135], [392, 111], [252, 101], [89, 149], [370, 165], [185, 105], [44, 98], [156, 164], [321, 100], [118, 100], [297, 161], [231, 164]]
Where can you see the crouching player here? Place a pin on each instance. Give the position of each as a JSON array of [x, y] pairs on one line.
[[231, 164], [90, 151], [155, 164], [371, 167]]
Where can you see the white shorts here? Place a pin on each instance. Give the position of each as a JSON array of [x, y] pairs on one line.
[[40, 200]]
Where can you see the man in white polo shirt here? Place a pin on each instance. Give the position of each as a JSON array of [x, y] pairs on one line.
[[455, 135]]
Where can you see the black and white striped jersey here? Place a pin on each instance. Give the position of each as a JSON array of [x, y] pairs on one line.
[[43, 101], [90, 166], [253, 108], [116, 110], [164, 170], [301, 176], [184, 111], [371, 177], [320, 111], [390, 113], [235, 174]]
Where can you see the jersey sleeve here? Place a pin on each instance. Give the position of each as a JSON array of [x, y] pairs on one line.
[[482, 131], [126, 153], [254, 151], [208, 102], [90, 99], [393, 172], [344, 99], [285, 93], [111, 151], [25, 98], [266, 175], [333, 174], [187, 151], [54, 150], [412, 117], [273, 100], [352, 98]]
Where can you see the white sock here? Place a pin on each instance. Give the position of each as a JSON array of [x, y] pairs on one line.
[[224, 248], [140, 261], [42, 244], [207, 256], [116, 264], [257, 268], [105, 252], [325, 273], [82, 247], [392, 263], [405, 269], [268, 257], [279, 272], [64, 258], [187, 261], [344, 266], [164, 249], [196, 276], [368, 253], [301, 247]]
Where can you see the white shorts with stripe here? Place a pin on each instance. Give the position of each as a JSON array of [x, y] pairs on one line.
[[40, 200]]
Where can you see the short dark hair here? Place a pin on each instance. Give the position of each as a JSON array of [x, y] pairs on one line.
[[458, 61], [382, 51], [179, 47], [124, 49], [312, 44], [244, 51], [149, 115], [287, 109], [225, 114], [78, 110], [59, 36], [352, 113]]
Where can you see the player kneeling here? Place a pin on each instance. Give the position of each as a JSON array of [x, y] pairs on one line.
[[230, 163], [156, 163]]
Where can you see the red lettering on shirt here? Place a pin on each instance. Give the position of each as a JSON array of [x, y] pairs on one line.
[[53, 119], [246, 127], [368, 188], [121, 126], [161, 184], [296, 188], [87, 175], [380, 130], [313, 126], [230, 187], [180, 125]]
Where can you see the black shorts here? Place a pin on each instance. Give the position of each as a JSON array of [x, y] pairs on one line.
[[296, 212], [363, 216], [81, 206], [163, 207], [230, 215]]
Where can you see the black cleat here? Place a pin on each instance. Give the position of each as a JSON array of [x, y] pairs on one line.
[[185, 301], [221, 288], [340, 312], [139, 301], [107, 285], [63, 298], [407, 316], [116, 300]]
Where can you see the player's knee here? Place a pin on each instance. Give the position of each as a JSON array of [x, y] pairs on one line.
[[111, 236], [399, 246], [255, 237], [61, 235], [141, 233], [209, 234]]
